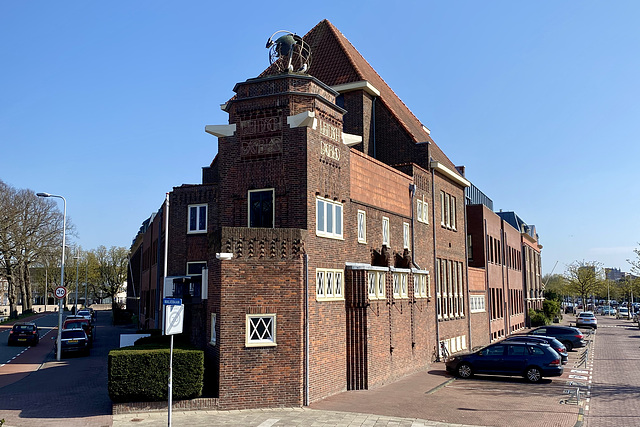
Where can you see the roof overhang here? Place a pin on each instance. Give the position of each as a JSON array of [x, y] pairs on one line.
[[455, 177], [361, 85]]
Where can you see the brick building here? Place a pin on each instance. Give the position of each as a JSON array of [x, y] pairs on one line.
[[325, 248]]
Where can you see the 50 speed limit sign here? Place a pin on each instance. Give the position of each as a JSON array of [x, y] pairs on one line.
[[60, 292]]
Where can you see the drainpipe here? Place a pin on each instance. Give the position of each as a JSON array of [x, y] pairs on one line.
[[306, 330], [505, 283], [490, 302], [466, 263], [435, 255]]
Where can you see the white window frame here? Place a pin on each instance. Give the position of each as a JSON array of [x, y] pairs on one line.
[[477, 304], [269, 339], [197, 230], [377, 279], [329, 284], [406, 235], [362, 226], [337, 212], [386, 239], [195, 262], [421, 285], [273, 204], [422, 211], [213, 339], [400, 284]]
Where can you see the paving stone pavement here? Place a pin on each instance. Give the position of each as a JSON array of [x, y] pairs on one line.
[[615, 390]]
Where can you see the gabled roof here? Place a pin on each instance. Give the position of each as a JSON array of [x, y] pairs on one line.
[[334, 61]]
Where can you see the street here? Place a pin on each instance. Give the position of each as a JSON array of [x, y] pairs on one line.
[[74, 391]]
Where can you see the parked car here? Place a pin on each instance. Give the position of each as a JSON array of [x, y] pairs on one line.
[[24, 333], [72, 341], [86, 314], [607, 310], [623, 313], [635, 316], [531, 360], [75, 322], [569, 336], [587, 319], [554, 343]]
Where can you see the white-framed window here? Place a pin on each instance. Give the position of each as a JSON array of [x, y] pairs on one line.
[[376, 284], [194, 268], [197, 219], [385, 231], [328, 218], [362, 226], [261, 208], [421, 285], [400, 285], [448, 211], [422, 211], [329, 284], [213, 339], [438, 289], [261, 330], [477, 304], [406, 238]]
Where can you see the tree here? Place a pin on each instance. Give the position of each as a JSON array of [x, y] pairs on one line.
[[112, 270], [555, 286], [30, 229], [584, 278]]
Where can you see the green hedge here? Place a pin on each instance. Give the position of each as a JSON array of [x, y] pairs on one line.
[[142, 375]]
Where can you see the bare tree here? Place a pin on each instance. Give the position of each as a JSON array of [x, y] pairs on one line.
[[112, 269], [30, 229]]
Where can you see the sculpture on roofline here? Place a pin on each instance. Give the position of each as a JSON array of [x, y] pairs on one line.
[[289, 53]]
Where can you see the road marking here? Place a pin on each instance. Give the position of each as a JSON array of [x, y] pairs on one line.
[[269, 422]]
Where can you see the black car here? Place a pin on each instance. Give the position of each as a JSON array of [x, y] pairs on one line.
[[24, 333], [513, 358], [569, 336], [73, 341], [554, 343]]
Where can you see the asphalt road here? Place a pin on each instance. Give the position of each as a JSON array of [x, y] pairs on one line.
[[69, 392]]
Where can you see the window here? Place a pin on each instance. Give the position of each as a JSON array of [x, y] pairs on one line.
[[362, 227], [328, 218], [195, 268], [400, 285], [376, 284], [385, 231], [421, 285], [329, 284], [449, 289], [213, 338], [405, 235], [261, 208], [477, 304], [261, 330], [197, 219], [422, 211], [448, 211]]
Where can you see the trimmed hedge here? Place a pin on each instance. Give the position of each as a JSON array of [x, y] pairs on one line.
[[141, 375]]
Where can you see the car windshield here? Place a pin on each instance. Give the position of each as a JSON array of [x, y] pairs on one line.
[[73, 334]]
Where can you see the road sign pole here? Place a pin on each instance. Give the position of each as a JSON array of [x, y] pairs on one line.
[[170, 379], [59, 338]]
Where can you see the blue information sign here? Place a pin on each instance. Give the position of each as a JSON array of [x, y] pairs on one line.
[[172, 301]]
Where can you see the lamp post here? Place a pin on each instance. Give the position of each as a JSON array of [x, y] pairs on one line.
[[64, 229], [75, 309]]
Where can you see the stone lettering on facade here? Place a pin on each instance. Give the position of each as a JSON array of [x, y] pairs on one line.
[[329, 131], [329, 150], [260, 125]]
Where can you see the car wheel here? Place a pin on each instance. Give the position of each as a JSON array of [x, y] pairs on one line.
[[464, 370], [533, 374], [568, 345]]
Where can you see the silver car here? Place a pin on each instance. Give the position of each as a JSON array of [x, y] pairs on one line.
[[587, 319]]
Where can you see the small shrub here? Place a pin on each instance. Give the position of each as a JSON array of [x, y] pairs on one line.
[[538, 318]]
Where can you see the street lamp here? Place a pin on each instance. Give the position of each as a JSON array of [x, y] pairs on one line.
[[64, 229], [75, 309]]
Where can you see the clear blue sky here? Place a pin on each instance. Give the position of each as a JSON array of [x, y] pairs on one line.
[[106, 102]]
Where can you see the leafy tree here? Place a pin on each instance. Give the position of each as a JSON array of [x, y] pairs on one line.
[[555, 287], [584, 279]]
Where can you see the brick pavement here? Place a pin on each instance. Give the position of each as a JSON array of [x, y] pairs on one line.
[[615, 391]]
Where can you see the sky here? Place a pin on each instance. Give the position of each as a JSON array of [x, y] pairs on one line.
[[105, 102]]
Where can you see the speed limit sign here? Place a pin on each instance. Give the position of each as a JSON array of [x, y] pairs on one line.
[[61, 291]]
